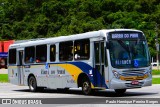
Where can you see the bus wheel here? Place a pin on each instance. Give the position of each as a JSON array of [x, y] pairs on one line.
[[32, 84], [120, 91], [66, 89], [86, 87]]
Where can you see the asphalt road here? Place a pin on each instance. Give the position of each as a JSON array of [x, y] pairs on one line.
[[8, 90]]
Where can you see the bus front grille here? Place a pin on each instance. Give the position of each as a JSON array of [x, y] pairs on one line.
[[129, 75], [133, 73], [131, 78]]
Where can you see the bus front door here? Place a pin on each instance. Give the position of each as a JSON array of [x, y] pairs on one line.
[[20, 68], [99, 75]]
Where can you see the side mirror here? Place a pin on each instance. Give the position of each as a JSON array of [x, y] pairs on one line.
[[107, 45]]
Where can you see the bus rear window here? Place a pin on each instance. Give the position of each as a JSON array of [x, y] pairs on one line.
[[12, 56]]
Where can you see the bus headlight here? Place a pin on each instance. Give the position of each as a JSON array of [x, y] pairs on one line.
[[116, 74], [148, 72]]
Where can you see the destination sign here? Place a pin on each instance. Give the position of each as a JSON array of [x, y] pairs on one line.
[[121, 36], [126, 35]]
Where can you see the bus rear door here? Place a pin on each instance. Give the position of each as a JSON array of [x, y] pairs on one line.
[[20, 67]]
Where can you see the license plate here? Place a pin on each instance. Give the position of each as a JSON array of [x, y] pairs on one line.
[[135, 82]]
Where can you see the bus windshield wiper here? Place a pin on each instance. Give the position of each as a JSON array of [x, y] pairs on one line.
[[124, 46]]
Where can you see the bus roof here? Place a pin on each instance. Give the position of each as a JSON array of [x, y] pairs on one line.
[[52, 40]]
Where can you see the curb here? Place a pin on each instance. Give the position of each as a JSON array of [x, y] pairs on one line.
[[155, 76]]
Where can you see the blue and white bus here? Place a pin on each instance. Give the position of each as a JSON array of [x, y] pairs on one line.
[[116, 59]]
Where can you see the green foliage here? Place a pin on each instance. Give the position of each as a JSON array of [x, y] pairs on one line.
[[3, 77], [155, 80], [155, 72], [26, 19]]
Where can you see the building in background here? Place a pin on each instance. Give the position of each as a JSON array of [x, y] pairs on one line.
[[4, 45]]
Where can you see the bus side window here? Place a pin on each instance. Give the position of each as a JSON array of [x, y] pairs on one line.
[[52, 53], [41, 53], [30, 54], [81, 49], [66, 51]]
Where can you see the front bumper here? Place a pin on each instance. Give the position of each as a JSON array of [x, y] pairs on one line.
[[121, 84]]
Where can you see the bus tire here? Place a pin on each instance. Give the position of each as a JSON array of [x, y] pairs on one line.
[[66, 89], [32, 84], [120, 91], [40, 89], [86, 87]]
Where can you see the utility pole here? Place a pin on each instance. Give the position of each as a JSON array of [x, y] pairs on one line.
[[157, 45]]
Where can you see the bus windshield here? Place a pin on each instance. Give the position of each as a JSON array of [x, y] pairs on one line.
[[129, 53]]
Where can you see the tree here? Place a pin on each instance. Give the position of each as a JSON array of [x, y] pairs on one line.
[[27, 19]]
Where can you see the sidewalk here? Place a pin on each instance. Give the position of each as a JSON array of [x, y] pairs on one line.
[[3, 71], [156, 76]]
